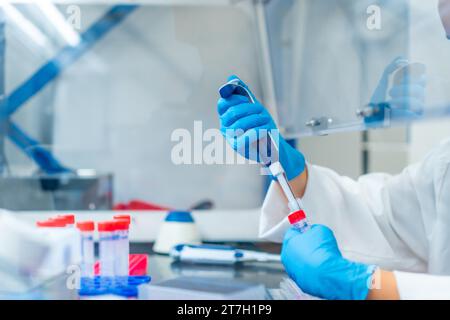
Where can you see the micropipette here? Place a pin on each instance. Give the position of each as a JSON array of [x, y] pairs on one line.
[[234, 86], [297, 216], [219, 254]]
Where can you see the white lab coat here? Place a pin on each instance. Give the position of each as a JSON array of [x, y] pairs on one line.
[[399, 223]]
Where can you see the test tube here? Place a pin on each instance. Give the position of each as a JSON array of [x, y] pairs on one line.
[[122, 248], [62, 258], [107, 243], [298, 220], [86, 229]]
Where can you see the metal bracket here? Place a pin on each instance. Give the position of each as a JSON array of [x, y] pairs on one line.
[[375, 113], [321, 123]]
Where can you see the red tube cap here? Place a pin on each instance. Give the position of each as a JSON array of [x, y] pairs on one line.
[[69, 218], [122, 224], [296, 216], [86, 225], [51, 224], [60, 220], [106, 226], [123, 217]]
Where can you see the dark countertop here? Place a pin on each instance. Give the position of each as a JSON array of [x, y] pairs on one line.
[[162, 267]]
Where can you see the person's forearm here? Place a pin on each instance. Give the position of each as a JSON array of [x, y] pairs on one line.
[[384, 286], [298, 184]]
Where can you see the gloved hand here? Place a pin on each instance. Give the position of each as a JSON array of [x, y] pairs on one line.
[[313, 260], [406, 98], [444, 12], [245, 126]]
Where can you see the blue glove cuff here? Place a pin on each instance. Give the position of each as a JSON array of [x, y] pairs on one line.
[[362, 280], [291, 159]]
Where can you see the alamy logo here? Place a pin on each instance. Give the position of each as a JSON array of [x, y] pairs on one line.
[[374, 17], [74, 16], [208, 147], [73, 281]]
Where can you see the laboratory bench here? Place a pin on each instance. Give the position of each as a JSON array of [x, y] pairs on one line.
[[161, 267]]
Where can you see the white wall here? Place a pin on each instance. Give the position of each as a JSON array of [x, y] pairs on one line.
[[340, 152], [116, 108]]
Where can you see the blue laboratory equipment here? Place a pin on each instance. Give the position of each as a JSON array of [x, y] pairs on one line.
[[234, 86], [126, 287]]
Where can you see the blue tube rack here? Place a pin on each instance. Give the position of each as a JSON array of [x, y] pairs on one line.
[[121, 286]]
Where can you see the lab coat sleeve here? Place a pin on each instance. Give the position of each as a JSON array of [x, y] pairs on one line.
[[414, 286], [358, 212], [352, 209]]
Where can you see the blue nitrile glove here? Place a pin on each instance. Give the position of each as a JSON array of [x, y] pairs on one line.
[[238, 114], [407, 98], [313, 260]]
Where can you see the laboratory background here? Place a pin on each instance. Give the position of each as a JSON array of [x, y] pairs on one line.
[[93, 92]]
